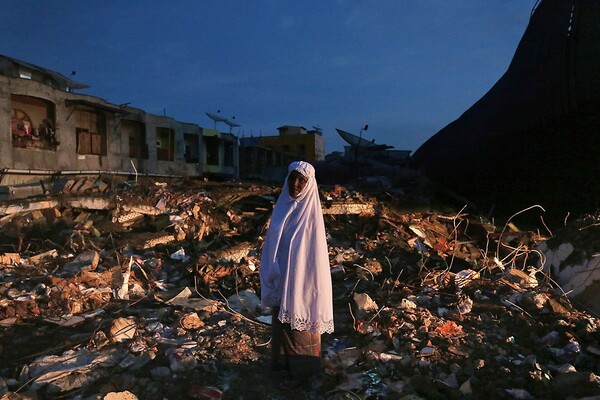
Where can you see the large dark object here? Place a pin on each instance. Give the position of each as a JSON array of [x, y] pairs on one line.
[[534, 137]]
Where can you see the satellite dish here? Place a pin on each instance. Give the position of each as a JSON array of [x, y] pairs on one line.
[[231, 123], [216, 117]]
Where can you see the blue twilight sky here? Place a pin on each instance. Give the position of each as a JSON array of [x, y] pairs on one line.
[[406, 68]]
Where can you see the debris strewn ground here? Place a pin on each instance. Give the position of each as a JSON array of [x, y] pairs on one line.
[[150, 290]]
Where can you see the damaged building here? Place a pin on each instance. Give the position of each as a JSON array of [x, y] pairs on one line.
[[267, 157], [367, 162], [52, 131]]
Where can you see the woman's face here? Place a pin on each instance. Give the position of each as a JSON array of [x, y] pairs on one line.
[[296, 182]]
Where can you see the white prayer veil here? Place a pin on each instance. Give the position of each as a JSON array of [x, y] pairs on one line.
[[294, 268]]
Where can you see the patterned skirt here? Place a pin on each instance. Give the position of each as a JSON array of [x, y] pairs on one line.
[[298, 352]]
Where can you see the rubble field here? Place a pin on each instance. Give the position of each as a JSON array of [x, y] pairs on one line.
[[150, 290]]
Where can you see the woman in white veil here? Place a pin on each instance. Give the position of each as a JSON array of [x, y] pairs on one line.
[[295, 275]]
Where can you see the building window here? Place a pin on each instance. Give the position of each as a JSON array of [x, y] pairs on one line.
[[165, 144], [32, 123], [191, 147], [212, 150], [228, 155], [136, 134], [91, 132]]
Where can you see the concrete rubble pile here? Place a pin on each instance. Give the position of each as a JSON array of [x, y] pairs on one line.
[[151, 290]]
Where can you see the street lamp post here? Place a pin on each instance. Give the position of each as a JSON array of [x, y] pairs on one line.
[[356, 149]]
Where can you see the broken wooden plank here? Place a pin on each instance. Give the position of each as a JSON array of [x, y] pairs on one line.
[[143, 209]]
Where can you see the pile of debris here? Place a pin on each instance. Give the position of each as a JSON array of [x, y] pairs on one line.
[[150, 290]]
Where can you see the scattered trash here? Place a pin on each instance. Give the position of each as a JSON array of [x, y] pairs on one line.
[[153, 292]]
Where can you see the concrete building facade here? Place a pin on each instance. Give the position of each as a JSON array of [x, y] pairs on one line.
[[267, 157], [48, 129], [298, 142]]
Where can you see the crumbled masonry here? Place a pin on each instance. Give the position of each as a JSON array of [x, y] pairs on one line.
[[150, 290]]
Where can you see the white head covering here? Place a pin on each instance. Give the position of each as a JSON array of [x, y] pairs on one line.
[[294, 266]]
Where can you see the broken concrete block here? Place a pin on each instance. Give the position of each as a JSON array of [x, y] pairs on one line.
[[37, 215], [122, 329], [9, 209], [365, 305], [81, 217], [143, 209], [101, 186], [565, 276], [406, 304], [120, 281], [466, 388], [129, 217], [71, 370], [90, 203], [564, 251], [88, 184], [77, 185], [181, 360], [142, 360], [66, 321], [164, 239], [126, 395], [234, 253], [38, 258], [88, 260], [184, 299], [594, 268], [5, 323], [342, 208], [10, 258], [68, 186], [578, 282]]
